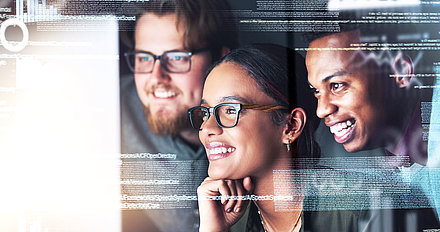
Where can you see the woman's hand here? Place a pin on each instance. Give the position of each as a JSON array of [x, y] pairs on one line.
[[219, 215]]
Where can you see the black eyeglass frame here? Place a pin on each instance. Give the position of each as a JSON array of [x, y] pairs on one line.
[[160, 58], [238, 107]]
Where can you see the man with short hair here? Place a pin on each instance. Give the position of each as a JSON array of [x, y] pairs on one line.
[[368, 100], [175, 43]]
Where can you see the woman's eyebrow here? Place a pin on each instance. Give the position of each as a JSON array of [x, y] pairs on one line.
[[227, 98], [233, 98]]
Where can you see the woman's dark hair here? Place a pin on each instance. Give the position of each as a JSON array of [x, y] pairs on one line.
[[281, 74]]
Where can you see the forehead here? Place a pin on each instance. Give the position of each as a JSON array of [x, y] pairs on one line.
[[332, 54], [158, 34], [229, 79]]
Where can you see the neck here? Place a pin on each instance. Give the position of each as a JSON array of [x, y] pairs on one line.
[[278, 220], [410, 144]]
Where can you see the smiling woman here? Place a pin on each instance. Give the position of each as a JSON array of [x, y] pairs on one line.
[[258, 102]]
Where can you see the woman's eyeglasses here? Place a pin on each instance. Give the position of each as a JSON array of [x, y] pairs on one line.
[[225, 114]]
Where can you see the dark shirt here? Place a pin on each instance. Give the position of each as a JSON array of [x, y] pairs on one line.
[[338, 220], [328, 206], [399, 220]]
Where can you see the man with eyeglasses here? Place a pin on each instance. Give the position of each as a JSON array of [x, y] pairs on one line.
[[175, 43]]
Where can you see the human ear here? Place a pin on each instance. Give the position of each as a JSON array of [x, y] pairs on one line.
[[295, 125], [403, 70]]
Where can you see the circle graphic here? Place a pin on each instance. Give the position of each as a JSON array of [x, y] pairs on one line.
[[12, 46]]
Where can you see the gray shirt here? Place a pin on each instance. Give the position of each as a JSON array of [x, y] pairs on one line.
[[171, 206]]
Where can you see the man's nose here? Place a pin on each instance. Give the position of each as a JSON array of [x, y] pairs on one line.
[[325, 106], [159, 73]]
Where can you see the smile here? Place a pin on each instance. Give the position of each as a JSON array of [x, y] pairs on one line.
[[221, 150], [164, 94], [218, 151], [343, 131]]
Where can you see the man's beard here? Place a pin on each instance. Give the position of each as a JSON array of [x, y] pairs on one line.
[[162, 125]]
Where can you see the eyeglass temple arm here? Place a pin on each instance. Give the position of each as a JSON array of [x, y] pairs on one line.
[[266, 108]]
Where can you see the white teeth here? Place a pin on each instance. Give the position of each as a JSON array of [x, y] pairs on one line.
[[332, 129], [222, 150], [341, 132], [167, 94], [340, 129]]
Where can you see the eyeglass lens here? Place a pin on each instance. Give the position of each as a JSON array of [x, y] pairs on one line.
[[226, 116], [171, 61], [198, 116]]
